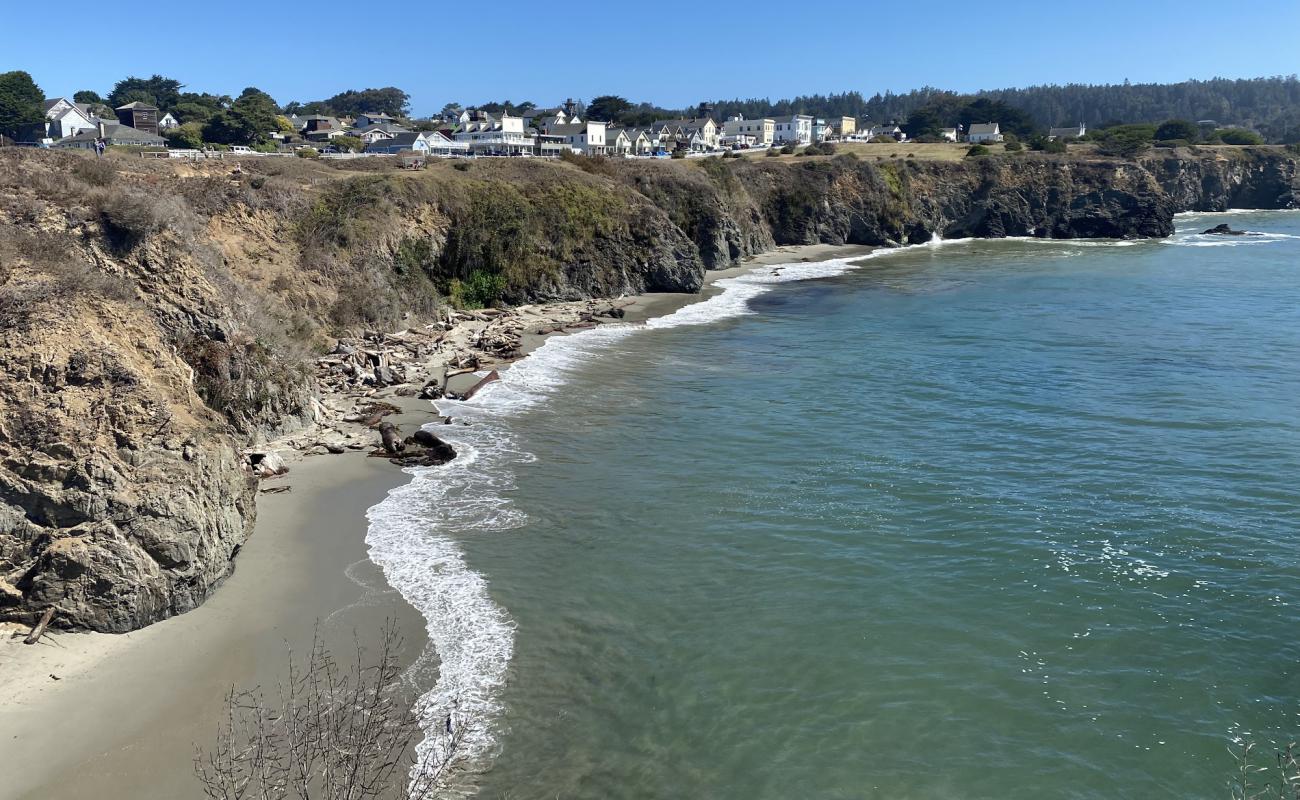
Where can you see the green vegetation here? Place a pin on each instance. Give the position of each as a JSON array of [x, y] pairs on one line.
[[608, 108], [87, 96], [481, 290], [156, 90], [20, 102], [977, 150], [1123, 141], [1045, 145], [1172, 129], [1239, 136], [949, 110], [389, 100]]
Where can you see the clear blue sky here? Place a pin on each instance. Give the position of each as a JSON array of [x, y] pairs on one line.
[[481, 50]]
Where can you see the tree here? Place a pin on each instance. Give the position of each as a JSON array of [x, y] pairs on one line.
[[390, 100], [87, 96], [348, 144], [333, 733], [608, 108], [250, 120], [20, 102], [1172, 129], [188, 135], [156, 90], [1239, 136]]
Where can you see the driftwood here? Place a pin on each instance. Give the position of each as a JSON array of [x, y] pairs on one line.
[[489, 378], [392, 438], [39, 630]]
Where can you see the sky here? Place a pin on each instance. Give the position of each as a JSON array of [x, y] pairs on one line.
[[673, 55]]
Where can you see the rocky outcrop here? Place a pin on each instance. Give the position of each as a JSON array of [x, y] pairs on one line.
[[159, 319], [122, 497], [1217, 179]]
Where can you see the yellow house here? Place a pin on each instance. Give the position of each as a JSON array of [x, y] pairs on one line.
[[844, 126]]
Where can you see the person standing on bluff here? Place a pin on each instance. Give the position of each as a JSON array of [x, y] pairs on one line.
[[99, 147]]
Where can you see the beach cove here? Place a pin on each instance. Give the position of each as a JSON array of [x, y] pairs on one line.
[[305, 565]]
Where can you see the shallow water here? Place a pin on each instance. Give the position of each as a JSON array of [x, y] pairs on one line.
[[987, 519]]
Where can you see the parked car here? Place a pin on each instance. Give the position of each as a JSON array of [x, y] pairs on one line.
[[241, 149]]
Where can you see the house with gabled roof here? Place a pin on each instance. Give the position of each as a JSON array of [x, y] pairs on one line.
[[617, 142], [374, 133], [984, 132], [114, 134], [428, 142], [1072, 132], [65, 118], [372, 118]]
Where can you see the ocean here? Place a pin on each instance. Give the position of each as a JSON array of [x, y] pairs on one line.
[[975, 519]]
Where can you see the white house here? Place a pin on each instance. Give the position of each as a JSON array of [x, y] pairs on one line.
[[796, 128], [428, 142], [486, 134], [948, 134], [1072, 132], [375, 133], [891, 130], [982, 132], [762, 131], [64, 118], [617, 142], [585, 137], [167, 121], [643, 144]]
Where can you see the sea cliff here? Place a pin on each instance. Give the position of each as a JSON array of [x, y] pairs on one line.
[[160, 319]]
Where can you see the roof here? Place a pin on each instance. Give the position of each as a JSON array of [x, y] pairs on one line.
[[401, 140], [612, 134], [978, 128], [374, 115], [572, 129], [1071, 130], [113, 130], [136, 106], [384, 127]]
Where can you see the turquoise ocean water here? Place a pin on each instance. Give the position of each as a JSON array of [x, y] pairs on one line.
[[1009, 519]]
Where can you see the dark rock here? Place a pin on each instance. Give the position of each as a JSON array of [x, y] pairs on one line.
[[1224, 230], [391, 437]]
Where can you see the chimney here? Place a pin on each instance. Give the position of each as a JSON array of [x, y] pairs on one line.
[[101, 129]]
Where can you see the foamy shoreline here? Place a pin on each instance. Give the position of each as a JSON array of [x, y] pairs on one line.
[[90, 714]]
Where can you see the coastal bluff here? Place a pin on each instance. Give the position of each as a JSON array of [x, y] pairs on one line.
[[161, 318]]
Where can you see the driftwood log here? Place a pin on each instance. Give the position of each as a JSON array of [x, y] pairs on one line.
[[488, 378], [39, 630]]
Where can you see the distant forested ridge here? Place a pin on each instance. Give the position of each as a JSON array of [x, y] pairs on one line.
[[1268, 105]]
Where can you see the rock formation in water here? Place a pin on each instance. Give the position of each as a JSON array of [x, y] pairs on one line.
[[158, 317]]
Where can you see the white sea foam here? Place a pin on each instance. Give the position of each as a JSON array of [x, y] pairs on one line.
[[409, 532]]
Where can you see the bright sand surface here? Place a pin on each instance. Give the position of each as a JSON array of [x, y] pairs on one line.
[[127, 711]]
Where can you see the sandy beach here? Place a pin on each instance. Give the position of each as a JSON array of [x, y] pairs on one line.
[[119, 716]]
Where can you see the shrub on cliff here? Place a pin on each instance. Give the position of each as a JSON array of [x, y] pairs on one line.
[[977, 150], [1239, 136], [130, 217]]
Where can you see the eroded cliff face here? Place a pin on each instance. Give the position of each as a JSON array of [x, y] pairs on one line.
[[158, 317], [1219, 179]]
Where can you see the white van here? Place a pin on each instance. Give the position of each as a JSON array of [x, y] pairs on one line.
[[241, 149]]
